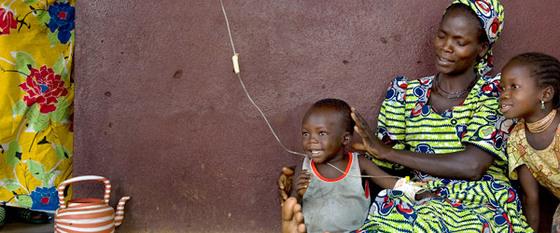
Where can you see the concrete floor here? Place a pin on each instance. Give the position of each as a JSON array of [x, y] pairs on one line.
[[18, 227]]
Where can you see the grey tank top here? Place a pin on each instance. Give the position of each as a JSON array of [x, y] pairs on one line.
[[335, 205]]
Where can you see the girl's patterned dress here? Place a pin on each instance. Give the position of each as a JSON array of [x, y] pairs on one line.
[[543, 164]]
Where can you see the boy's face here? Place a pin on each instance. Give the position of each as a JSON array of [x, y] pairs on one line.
[[324, 136], [520, 93]]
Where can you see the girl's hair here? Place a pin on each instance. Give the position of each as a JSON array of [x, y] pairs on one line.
[[544, 68], [482, 38], [339, 106]]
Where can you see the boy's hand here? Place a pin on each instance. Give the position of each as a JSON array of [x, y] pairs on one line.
[[303, 182], [285, 183]]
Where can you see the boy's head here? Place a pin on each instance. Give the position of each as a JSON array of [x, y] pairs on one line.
[[327, 128]]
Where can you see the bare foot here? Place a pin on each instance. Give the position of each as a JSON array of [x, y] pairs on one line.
[[292, 217]]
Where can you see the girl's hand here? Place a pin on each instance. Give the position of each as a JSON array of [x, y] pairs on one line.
[[370, 142], [302, 182]]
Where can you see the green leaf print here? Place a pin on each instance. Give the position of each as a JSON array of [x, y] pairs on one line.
[[73, 35], [13, 154], [43, 17], [10, 184], [53, 37], [60, 151], [19, 108], [24, 201], [37, 120], [22, 61], [60, 68], [61, 113], [38, 171], [30, 1], [50, 177]]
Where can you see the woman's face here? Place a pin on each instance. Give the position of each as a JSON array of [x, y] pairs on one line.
[[457, 44]]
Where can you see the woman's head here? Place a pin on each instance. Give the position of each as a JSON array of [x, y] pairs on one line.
[[530, 81], [465, 36], [327, 128]]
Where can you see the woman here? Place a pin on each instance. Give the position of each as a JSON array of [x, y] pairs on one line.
[[448, 130]]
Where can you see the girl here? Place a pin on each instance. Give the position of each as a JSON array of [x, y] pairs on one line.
[[531, 92]]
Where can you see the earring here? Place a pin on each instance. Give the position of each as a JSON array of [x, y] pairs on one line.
[[542, 105]]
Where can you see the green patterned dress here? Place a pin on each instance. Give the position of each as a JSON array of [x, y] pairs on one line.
[[487, 205]]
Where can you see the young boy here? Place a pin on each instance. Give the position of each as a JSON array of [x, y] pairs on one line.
[[330, 183]]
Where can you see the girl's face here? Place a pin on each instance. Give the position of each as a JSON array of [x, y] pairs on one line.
[[520, 97], [457, 43], [323, 136]]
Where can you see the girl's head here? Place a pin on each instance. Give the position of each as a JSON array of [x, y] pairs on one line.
[[529, 82], [465, 36], [327, 129]]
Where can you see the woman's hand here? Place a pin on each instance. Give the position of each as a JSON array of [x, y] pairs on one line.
[[302, 182], [370, 142]]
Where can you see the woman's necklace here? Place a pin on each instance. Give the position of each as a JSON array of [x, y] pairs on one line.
[[452, 95], [542, 124]]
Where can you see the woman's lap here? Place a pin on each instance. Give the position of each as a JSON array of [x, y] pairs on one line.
[[491, 205]]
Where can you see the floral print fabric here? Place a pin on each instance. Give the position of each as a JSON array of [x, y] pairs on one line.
[[36, 46]]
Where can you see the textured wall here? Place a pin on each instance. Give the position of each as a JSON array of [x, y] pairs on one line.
[[159, 112]]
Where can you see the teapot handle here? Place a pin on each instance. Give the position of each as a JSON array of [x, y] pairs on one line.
[[62, 187]]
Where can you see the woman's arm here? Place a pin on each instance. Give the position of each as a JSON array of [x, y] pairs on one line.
[[470, 164], [378, 176], [530, 187]]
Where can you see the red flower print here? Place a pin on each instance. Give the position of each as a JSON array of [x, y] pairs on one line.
[[7, 21], [495, 25], [487, 88], [43, 86]]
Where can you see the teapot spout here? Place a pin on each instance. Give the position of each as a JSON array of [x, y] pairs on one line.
[[119, 215]]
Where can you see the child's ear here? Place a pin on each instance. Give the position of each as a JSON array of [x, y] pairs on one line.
[[346, 138], [547, 94]]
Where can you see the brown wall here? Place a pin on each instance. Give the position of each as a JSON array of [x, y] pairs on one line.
[[159, 112]]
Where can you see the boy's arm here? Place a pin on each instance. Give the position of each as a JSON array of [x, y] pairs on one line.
[[531, 201], [381, 178]]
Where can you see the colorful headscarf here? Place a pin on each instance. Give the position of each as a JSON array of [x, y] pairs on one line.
[[491, 15]]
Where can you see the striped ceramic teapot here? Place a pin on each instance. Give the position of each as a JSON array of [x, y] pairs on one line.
[[90, 215]]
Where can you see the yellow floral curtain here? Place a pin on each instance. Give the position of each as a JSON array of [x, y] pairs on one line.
[[36, 99]]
